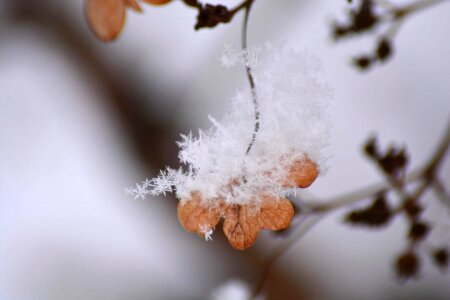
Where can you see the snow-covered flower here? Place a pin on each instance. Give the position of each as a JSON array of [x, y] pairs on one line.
[[221, 179]]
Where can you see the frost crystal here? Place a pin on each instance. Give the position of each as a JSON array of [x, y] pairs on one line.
[[293, 126], [207, 232], [248, 57]]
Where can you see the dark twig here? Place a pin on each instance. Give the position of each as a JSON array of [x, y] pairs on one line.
[[367, 19], [248, 5]]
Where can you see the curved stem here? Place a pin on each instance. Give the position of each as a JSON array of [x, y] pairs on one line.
[[249, 71]]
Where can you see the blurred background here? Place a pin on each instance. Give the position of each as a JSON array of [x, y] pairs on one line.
[[81, 120]]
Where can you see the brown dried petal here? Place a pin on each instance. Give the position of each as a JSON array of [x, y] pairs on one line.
[[105, 18], [241, 225], [276, 213], [157, 2], [195, 217], [134, 5], [301, 174]]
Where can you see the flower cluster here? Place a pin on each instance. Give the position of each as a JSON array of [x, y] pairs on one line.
[[221, 180], [243, 221]]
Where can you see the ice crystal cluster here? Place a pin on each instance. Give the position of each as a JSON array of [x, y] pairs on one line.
[[294, 126]]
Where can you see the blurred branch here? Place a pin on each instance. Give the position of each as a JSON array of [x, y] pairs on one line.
[[427, 177], [369, 16], [441, 192], [427, 174]]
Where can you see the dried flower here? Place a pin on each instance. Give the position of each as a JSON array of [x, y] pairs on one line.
[[211, 15], [377, 214], [384, 49], [363, 62], [412, 208], [221, 181], [241, 222], [106, 18], [418, 231]]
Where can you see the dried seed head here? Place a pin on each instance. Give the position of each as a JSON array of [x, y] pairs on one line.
[[371, 148], [241, 222], [418, 231], [440, 258], [407, 265], [363, 62], [412, 208], [376, 215], [384, 49]]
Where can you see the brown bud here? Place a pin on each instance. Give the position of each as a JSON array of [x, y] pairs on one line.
[[407, 265], [418, 231], [440, 258]]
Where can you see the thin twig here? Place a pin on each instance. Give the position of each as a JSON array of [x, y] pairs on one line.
[[429, 170], [360, 194], [248, 5]]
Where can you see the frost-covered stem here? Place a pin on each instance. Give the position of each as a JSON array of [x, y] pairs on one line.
[[251, 80]]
